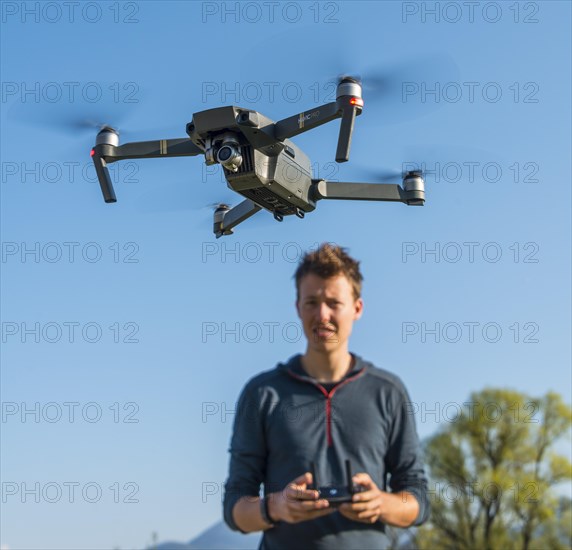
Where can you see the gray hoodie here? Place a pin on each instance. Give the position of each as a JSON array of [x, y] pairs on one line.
[[285, 420]]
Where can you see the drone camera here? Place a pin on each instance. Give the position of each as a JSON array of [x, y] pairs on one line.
[[229, 154]]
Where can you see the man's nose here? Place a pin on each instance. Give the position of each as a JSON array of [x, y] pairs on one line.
[[324, 312]]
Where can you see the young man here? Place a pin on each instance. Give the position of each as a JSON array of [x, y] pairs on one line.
[[325, 407]]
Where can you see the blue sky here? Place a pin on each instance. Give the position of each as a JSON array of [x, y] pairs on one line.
[[150, 329]]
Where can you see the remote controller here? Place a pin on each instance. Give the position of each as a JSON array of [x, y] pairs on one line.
[[336, 494]]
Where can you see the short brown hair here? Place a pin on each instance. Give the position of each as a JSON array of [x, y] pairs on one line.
[[330, 260]]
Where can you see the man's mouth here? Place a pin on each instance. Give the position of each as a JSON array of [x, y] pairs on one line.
[[324, 332]]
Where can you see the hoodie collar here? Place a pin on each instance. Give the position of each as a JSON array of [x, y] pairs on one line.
[[294, 365]]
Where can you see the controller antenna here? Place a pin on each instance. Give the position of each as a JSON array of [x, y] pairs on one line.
[[315, 483], [349, 477]]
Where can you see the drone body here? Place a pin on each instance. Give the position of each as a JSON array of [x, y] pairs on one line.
[[274, 174], [259, 160]]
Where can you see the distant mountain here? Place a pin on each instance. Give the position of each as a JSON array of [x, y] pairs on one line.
[[220, 537], [171, 546], [217, 537]]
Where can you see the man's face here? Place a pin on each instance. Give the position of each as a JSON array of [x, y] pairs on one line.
[[327, 309]]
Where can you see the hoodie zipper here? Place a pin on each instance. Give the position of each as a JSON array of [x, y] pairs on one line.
[[328, 397]]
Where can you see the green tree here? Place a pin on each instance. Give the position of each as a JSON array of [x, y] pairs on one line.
[[493, 474]]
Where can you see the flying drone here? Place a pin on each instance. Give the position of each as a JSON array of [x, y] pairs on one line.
[[259, 160]]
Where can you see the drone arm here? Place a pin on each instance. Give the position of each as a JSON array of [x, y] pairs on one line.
[[225, 220], [347, 107], [104, 153], [346, 131], [302, 122], [104, 178], [181, 147], [323, 189]]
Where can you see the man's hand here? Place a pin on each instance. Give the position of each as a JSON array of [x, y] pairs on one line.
[[297, 503], [372, 504], [366, 506]]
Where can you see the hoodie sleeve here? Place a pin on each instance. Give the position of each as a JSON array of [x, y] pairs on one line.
[[404, 457], [247, 453]]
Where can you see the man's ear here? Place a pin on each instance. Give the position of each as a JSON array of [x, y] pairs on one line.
[[358, 305], [297, 307]]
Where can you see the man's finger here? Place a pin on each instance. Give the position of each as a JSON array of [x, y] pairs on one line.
[[364, 496], [364, 480], [360, 506], [299, 492], [304, 479], [309, 505], [367, 514]]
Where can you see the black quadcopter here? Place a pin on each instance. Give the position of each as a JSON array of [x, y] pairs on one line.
[[259, 160]]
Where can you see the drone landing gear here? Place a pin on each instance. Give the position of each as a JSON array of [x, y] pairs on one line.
[[225, 217], [279, 217]]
